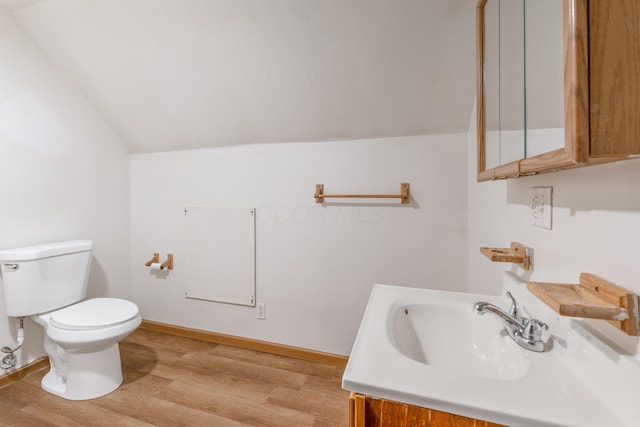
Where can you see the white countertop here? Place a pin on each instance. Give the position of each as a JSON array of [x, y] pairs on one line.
[[582, 381]]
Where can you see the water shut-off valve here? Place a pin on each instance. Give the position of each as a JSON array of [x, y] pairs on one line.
[[10, 360]]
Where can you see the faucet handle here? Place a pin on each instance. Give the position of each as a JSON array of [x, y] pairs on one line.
[[514, 309], [533, 329]]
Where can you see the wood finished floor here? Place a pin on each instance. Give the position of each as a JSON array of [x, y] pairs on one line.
[[175, 381]]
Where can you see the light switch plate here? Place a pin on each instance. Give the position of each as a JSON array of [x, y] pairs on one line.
[[541, 207]]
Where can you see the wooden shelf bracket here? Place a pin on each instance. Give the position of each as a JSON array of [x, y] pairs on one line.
[[403, 196], [593, 298], [168, 263], [517, 253], [156, 258]]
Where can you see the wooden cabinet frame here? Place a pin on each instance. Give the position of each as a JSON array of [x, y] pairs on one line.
[[584, 41], [367, 411]]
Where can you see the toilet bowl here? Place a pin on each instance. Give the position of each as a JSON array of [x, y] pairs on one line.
[[49, 283], [90, 325], [81, 341]]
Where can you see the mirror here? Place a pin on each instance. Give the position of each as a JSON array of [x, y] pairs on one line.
[[491, 72], [544, 68], [522, 68], [504, 81]]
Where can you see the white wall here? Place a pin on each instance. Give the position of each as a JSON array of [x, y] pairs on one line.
[[596, 224], [315, 264], [64, 174]]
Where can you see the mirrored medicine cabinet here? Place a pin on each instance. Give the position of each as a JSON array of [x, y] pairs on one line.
[[556, 85]]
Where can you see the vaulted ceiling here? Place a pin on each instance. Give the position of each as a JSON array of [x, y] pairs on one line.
[[180, 74]]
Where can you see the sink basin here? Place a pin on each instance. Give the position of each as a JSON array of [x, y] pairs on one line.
[[430, 349], [455, 338]]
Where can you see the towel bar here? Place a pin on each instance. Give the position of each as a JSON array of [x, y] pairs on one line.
[[403, 196]]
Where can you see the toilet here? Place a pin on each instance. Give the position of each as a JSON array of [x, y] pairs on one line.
[[49, 284]]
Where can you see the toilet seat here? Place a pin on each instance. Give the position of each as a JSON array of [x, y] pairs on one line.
[[92, 314]]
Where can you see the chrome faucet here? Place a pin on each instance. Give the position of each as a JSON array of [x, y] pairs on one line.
[[524, 331]]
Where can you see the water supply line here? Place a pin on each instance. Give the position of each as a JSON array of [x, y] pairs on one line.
[[10, 360]]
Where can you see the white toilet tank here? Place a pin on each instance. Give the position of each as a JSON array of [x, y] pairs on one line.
[[38, 279]]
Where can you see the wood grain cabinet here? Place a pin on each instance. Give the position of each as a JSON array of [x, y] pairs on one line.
[[366, 411], [601, 42]]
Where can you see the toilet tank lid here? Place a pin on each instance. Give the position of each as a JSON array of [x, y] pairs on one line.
[[44, 251]]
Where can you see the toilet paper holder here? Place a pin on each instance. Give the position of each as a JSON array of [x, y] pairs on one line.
[[168, 263]]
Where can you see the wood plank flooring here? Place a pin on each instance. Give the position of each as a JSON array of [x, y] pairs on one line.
[[176, 381]]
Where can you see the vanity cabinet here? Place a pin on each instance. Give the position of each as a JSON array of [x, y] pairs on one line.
[[366, 411], [601, 47]]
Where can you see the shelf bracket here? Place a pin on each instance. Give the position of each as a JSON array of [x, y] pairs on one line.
[[517, 253], [156, 258]]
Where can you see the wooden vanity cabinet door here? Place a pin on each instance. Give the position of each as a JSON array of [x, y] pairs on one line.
[[365, 411]]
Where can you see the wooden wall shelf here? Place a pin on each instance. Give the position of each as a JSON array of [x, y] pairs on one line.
[[517, 254], [593, 298]]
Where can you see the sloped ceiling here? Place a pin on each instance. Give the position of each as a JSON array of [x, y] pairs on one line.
[[178, 74]]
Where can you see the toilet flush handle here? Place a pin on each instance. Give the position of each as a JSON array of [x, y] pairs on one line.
[[12, 266]]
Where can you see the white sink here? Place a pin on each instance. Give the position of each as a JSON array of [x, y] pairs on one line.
[[453, 337], [429, 348]]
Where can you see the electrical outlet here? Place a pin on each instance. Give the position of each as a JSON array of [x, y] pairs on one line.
[[541, 207], [261, 309]]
